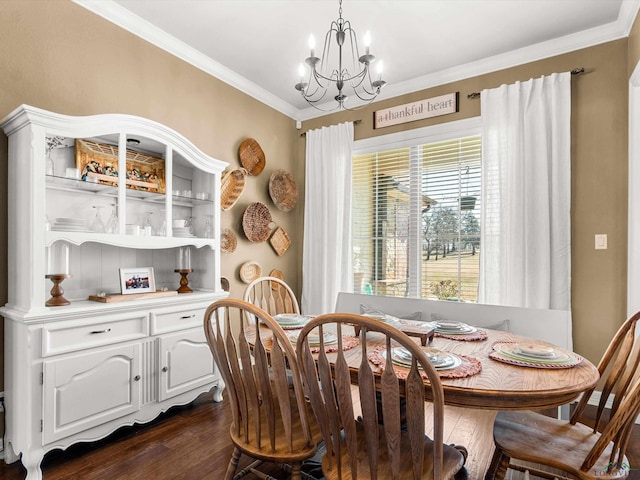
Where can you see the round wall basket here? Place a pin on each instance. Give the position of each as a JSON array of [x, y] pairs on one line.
[[256, 222], [275, 273], [249, 271], [251, 156], [232, 187], [228, 241], [283, 190]]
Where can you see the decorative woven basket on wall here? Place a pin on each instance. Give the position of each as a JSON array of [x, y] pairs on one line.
[[283, 190], [280, 241], [275, 273], [228, 241], [249, 271], [251, 156], [256, 222], [232, 187]]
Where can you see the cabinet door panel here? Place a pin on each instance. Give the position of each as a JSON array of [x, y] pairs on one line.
[[185, 362], [82, 391]]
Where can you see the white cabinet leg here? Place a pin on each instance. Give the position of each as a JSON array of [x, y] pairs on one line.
[[31, 461]]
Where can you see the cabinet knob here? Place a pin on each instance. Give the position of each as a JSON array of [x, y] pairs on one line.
[[165, 369], [137, 378], [184, 317]]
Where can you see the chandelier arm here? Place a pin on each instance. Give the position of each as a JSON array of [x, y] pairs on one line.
[[358, 79], [373, 91], [314, 95]]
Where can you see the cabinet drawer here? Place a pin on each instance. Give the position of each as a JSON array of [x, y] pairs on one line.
[[174, 320], [66, 337]]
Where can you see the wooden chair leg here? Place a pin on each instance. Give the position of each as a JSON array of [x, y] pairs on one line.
[[233, 464], [296, 471], [498, 467]]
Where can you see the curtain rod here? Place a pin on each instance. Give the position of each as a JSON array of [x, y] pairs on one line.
[[355, 122], [575, 71]]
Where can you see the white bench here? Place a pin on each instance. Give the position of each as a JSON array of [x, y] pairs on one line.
[[553, 326]]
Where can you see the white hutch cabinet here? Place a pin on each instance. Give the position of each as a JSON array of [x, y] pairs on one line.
[[78, 372]]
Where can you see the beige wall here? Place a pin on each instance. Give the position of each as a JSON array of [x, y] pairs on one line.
[[61, 57], [58, 56], [599, 174]]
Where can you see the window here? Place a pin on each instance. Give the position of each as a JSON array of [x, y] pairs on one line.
[[416, 217]]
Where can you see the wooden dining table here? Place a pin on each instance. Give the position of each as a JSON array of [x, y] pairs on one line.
[[498, 386], [502, 386]]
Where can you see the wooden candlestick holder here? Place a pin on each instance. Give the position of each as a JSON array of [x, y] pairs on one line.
[[57, 300], [184, 283]]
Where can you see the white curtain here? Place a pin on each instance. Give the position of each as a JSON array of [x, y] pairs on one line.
[[526, 182], [326, 259]]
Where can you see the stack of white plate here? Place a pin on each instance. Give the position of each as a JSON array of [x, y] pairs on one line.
[[313, 338], [534, 355], [454, 328], [181, 232], [69, 224], [439, 359]]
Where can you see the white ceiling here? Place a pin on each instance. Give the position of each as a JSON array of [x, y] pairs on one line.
[[257, 45]]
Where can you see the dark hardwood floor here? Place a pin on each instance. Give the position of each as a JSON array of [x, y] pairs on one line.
[[192, 442]]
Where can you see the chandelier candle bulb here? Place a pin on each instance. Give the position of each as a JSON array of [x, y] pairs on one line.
[[367, 41], [312, 45]]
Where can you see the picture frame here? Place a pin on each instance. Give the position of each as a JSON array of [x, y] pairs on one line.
[[98, 163], [137, 280]]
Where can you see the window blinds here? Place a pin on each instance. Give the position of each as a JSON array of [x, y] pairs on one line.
[[416, 214]]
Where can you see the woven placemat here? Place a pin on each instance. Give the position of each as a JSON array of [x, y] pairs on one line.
[[256, 222], [476, 336], [470, 366], [283, 190], [348, 342]]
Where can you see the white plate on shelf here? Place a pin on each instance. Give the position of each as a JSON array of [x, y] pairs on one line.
[[67, 228], [69, 221]]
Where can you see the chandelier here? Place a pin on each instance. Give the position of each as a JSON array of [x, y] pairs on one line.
[[341, 67]]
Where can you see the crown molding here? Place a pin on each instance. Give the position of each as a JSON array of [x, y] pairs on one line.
[[136, 25], [123, 18]]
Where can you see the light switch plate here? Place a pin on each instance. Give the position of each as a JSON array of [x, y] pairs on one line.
[[601, 241]]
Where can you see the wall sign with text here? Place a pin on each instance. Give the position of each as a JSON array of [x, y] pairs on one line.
[[409, 112]]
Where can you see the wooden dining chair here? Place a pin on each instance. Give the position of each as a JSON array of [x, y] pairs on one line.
[[270, 420], [272, 295], [384, 437], [580, 450]]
